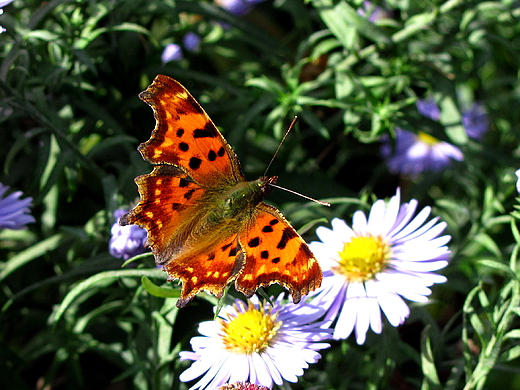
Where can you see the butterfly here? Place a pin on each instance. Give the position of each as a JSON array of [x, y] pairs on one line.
[[206, 224]]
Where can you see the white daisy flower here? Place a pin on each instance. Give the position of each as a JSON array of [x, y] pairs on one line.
[[257, 343], [372, 266]]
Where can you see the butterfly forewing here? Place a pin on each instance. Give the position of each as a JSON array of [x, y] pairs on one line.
[[185, 136]]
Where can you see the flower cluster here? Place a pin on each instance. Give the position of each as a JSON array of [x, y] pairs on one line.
[[126, 241], [14, 211], [173, 51]]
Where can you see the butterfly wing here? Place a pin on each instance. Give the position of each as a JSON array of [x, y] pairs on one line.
[[186, 137], [168, 198], [193, 162], [209, 266], [276, 253]]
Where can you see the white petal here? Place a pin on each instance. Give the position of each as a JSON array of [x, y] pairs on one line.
[[342, 230], [395, 309], [356, 290], [376, 217], [413, 224], [362, 320], [359, 223], [329, 238], [346, 320]]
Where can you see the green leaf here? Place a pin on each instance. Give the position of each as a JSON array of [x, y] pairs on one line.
[[158, 291], [26, 256], [97, 282], [431, 378], [342, 19]]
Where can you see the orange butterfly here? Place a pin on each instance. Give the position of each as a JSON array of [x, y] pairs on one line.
[[206, 224]]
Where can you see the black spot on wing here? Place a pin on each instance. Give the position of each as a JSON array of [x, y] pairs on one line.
[[180, 132], [209, 130], [253, 243], [267, 229], [273, 222], [264, 254], [188, 194], [176, 206], [276, 260], [184, 146], [183, 183], [194, 163], [221, 151], [287, 235], [212, 156], [211, 256], [225, 247], [233, 252]]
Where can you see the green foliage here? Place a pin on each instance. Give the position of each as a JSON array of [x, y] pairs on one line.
[[70, 72]]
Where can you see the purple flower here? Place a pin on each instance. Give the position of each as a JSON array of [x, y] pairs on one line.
[[371, 267], [237, 7], [126, 241], [475, 121], [257, 343], [3, 3], [374, 12], [172, 52], [416, 153], [191, 41], [14, 212], [428, 108]]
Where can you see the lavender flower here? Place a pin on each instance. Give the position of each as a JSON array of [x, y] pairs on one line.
[[237, 7], [126, 241], [429, 108], [475, 121], [374, 12], [191, 41], [172, 52], [3, 3], [416, 153], [14, 211]]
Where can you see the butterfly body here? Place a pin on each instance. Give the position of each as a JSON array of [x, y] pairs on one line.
[[206, 224]]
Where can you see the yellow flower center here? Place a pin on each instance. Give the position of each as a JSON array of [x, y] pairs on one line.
[[362, 258], [427, 138], [251, 331]]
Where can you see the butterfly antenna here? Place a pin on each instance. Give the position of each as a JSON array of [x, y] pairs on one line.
[[280, 144], [303, 196]]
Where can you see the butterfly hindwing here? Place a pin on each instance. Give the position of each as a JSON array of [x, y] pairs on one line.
[[276, 253], [168, 200], [185, 136], [209, 267]]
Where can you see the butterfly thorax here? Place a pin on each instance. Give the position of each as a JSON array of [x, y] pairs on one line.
[[238, 201]]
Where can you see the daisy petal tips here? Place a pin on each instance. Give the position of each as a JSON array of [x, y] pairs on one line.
[[370, 267], [257, 343]]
